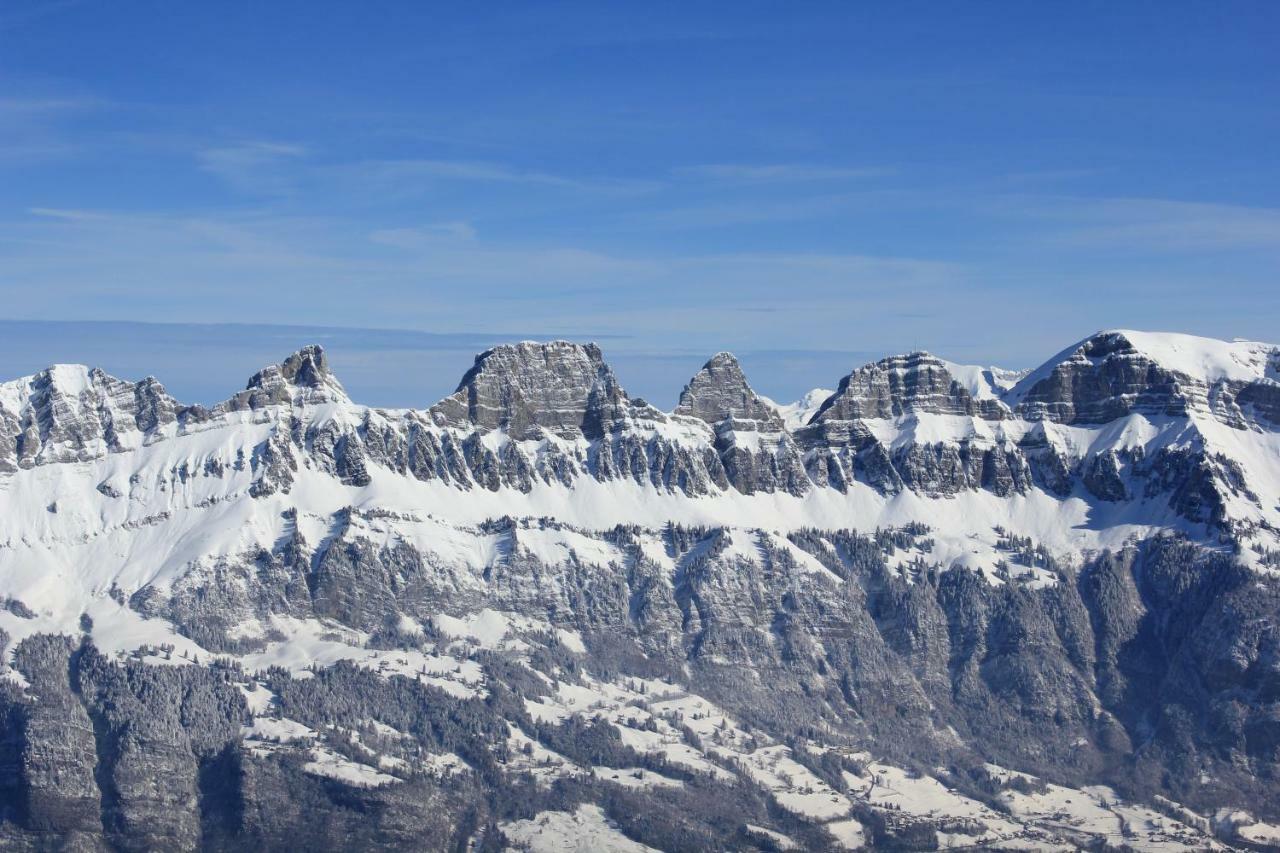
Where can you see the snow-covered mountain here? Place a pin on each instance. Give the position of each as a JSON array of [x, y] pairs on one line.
[[940, 605], [797, 413]]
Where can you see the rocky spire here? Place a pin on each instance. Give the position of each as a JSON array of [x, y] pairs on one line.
[[751, 441], [564, 388], [720, 390], [308, 368], [303, 377]]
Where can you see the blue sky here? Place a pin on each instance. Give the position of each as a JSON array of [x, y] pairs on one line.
[[809, 185]]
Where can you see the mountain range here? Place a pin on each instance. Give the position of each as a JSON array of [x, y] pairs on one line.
[[941, 606]]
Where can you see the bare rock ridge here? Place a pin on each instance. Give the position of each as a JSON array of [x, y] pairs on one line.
[[879, 429], [69, 413], [752, 443], [302, 378], [564, 388], [1110, 375], [719, 391], [948, 608], [900, 385]]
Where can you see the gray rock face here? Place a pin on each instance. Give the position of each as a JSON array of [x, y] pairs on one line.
[[897, 386], [566, 397], [753, 445], [10, 431], [53, 788], [1051, 468], [1102, 478], [843, 452], [302, 378], [843, 449], [1129, 672], [566, 389], [155, 409], [1152, 668], [1108, 377], [275, 463], [719, 392], [70, 414], [1260, 401]]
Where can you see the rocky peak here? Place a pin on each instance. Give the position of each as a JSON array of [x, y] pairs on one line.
[[564, 388], [308, 368], [303, 377], [1102, 378], [1112, 373], [70, 412], [902, 384], [719, 391], [155, 407]]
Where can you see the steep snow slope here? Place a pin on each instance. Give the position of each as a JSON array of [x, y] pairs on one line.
[[796, 414], [912, 558], [107, 494]]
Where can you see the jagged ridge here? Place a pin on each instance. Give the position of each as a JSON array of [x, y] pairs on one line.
[[530, 414], [405, 604]]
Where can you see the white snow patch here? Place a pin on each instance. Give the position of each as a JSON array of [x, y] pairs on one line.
[[797, 414], [571, 640], [849, 833], [586, 830], [781, 841], [487, 627], [326, 762], [635, 777]]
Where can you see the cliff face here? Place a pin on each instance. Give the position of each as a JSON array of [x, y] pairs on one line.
[[565, 389], [939, 611], [1114, 374], [1151, 670]]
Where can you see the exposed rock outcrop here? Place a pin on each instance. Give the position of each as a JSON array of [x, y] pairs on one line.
[[563, 388], [293, 621]]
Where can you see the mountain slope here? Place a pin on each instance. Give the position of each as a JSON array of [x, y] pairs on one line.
[[541, 595]]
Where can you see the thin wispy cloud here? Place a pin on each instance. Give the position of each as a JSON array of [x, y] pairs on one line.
[[34, 128], [67, 215], [779, 172], [1047, 176], [14, 107], [276, 168], [427, 269], [1164, 225], [466, 170], [742, 211], [424, 236], [1181, 226], [253, 167], [408, 173]]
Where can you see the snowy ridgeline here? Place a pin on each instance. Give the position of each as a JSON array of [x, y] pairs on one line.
[[939, 606], [1123, 434]]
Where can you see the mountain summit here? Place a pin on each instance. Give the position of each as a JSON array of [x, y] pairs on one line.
[[720, 390], [523, 388], [941, 605], [303, 377]]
